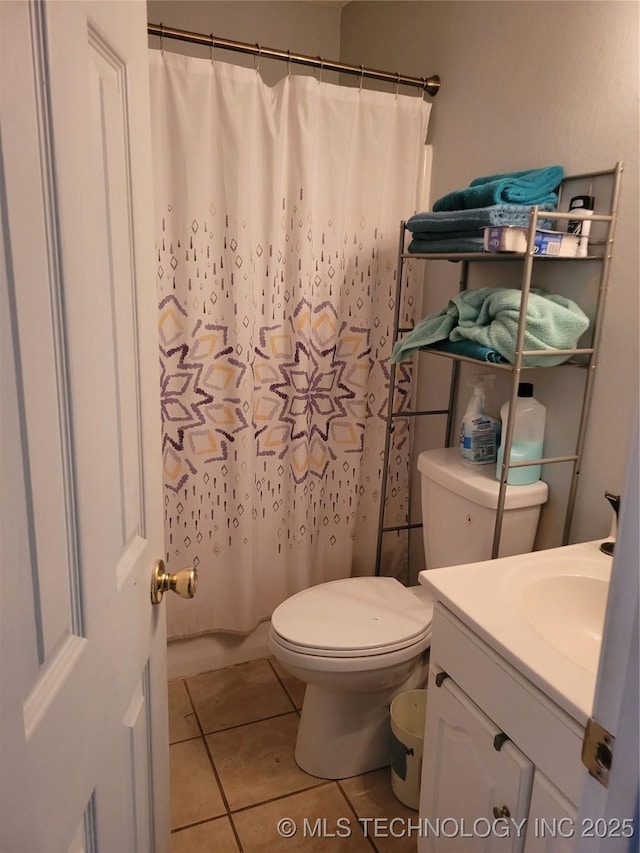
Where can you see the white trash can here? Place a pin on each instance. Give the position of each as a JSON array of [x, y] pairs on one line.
[[408, 712]]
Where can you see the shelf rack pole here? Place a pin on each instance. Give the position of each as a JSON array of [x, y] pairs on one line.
[[389, 419], [595, 345], [517, 371], [455, 372]]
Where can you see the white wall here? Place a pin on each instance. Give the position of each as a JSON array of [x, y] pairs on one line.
[[528, 84]]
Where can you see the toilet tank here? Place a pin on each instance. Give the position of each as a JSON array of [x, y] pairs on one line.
[[459, 508]]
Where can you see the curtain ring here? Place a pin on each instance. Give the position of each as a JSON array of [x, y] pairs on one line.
[[161, 39], [397, 83], [256, 65], [320, 62], [361, 76], [289, 64], [211, 46]]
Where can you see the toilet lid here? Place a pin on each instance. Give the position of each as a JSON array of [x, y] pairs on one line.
[[353, 617]]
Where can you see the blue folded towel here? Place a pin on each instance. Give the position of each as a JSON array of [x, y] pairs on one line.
[[532, 186], [479, 217], [489, 316]]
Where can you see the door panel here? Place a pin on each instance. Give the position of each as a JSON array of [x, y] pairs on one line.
[[83, 699], [551, 825]]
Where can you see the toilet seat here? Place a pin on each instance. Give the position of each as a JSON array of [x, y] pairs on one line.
[[354, 617]]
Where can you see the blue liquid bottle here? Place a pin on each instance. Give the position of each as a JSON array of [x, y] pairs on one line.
[[528, 436]]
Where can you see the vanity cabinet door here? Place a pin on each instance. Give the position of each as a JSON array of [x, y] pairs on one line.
[[551, 827], [465, 778]]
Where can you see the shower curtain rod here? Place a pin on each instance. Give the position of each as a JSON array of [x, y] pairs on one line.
[[431, 84]]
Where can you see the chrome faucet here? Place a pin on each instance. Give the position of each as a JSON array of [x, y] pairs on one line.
[[614, 500]]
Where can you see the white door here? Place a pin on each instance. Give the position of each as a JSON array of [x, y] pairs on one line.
[[83, 762], [475, 795], [609, 817]]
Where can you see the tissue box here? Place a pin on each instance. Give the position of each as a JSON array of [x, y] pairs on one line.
[[511, 238]]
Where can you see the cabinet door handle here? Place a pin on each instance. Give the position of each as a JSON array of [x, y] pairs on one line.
[[502, 812], [440, 677], [499, 741]]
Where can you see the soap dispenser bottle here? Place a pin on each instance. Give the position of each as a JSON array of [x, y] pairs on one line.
[[527, 439], [479, 431]]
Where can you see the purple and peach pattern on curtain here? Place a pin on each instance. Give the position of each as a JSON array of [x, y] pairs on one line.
[[277, 225]]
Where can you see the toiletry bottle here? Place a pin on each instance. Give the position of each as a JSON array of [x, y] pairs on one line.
[[528, 436], [581, 227], [478, 430]]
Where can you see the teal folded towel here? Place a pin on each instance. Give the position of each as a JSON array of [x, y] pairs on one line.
[[447, 246], [532, 186], [430, 236], [470, 349], [489, 316], [478, 217]]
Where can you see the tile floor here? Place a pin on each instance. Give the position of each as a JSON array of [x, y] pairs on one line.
[[233, 775]]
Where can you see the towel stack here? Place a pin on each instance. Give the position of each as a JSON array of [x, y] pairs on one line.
[[458, 219], [483, 324]]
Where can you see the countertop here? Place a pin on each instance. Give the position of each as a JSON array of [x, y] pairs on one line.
[[529, 626]]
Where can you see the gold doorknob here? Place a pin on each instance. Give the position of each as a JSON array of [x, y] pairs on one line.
[[184, 582], [501, 812]]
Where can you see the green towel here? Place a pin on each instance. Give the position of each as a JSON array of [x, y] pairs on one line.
[[489, 316]]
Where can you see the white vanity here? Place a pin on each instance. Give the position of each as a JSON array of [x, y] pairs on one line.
[[514, 657]]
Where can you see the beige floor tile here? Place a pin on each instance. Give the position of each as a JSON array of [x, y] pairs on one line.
[[371, 797], [182, 720], [323, 821], [215, 836], [294, 687], [195, 794], [237, 695], [255, 762]]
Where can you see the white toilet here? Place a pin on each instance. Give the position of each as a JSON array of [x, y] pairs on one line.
[[358, 642]]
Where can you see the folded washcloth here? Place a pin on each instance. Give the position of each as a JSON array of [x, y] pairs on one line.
[[479, 217], [469, 233], [470, 349], [533, 186], [449, 246], [489, 316]]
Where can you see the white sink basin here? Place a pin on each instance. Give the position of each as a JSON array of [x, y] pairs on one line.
[[562, 595], [568, 611]]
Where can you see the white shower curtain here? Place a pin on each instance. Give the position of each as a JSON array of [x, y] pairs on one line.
[[277, 224]]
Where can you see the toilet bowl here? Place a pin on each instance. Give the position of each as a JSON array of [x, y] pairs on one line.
[[356, 643], [359, 642]]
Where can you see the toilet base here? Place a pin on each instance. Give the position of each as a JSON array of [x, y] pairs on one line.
[[346, 734]]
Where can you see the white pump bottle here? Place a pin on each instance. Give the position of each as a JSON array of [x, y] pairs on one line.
[[528, 436]]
